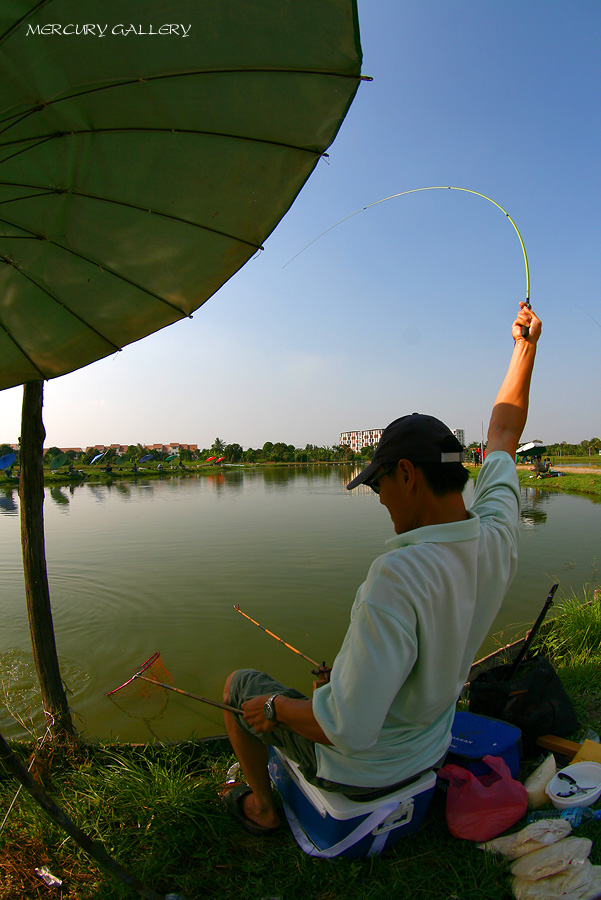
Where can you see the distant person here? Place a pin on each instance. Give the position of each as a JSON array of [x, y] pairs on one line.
[[417, 621], [539, 467]]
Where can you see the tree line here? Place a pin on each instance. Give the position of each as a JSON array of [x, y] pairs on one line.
[[278, 452]]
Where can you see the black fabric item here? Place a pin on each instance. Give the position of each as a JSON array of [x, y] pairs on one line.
[[534, 700]]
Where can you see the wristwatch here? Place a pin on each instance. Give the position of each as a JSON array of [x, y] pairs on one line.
[[269, 707]]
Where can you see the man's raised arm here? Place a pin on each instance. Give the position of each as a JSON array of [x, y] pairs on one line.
[[511, 406]]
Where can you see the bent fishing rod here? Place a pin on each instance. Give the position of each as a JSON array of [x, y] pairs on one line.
[[439, 187]]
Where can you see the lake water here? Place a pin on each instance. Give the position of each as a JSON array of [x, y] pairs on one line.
[[150, 565]]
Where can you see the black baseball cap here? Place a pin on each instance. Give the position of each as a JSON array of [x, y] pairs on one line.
[[418, 438]]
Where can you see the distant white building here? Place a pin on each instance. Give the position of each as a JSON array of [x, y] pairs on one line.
[[357, 440]]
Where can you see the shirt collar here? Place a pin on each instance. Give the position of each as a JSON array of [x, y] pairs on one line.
[[465, 530]]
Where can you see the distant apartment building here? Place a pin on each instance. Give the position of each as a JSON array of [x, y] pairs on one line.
[[357, 440]]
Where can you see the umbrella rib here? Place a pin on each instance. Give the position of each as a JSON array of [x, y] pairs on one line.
[[19, 117], [20, 349], [104, 268], [52, 296], [144, 209], [41, 193], [39, 140], [44, 138], [14, 27]]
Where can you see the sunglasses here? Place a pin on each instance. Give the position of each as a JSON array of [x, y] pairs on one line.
[[374, 483]]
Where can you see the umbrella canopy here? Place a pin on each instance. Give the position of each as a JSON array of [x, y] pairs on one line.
[[7, 460], [59, 461], [531, 448], [143, 162]]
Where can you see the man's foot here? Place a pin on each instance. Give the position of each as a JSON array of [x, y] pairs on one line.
[[240, 802]]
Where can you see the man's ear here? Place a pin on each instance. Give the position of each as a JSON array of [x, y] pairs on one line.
[[405, 471]]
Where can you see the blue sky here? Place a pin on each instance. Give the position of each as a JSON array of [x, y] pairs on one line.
[[408, 305]]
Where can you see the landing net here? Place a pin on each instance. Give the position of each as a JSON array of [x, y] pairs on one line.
[[140, 684]]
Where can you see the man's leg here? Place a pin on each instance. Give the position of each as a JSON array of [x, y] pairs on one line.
[[252, 755]]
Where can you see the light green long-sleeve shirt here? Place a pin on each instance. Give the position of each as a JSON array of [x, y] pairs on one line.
[[416, 624]]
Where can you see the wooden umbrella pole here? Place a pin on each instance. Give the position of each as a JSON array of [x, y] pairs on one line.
[[31, 493]]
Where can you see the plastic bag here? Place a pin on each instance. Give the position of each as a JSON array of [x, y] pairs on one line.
[[579, 881], [480, 807], [551, 860], [533, 837], [536, 783]]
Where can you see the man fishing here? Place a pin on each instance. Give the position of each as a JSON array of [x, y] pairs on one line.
[[417, 622]]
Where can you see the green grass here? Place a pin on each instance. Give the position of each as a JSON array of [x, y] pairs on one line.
[[156, 810], [588, 484]]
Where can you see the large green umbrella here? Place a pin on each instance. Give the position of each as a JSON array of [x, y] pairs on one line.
[[143, 161]]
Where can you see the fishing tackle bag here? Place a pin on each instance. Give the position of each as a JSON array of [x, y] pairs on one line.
[[534, 700]]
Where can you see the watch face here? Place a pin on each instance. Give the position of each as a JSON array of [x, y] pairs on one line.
[[269, 711]]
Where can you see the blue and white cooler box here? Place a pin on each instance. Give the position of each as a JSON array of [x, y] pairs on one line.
[[328, 824], [476, 736]]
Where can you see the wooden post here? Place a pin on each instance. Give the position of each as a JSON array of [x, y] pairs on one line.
[[31, 493]]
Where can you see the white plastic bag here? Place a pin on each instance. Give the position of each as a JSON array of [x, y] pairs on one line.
[[536, 783], [579, 881], [533, 837], [553, 859]]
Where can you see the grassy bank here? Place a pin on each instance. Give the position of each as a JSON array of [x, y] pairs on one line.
[[156, 810], [588, 484]]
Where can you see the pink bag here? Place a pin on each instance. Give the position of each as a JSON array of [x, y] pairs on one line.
[[480, 807]]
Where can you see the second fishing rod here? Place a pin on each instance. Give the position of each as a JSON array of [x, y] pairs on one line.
[[321, 670]]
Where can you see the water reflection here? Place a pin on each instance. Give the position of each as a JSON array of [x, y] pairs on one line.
[[531, 513], [8, 506], [58, 496]]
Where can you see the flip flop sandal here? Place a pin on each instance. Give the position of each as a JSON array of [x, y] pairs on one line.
[[233, 800]]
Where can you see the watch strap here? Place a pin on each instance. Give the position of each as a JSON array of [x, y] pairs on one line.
[[270, 701]]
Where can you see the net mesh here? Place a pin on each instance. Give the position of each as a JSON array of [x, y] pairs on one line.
[[142, 686], [141, 697]]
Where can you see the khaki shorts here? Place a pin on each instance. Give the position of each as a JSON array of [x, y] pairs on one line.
[[248, 683]]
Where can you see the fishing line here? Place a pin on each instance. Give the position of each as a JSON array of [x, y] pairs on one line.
[[416, 191]]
